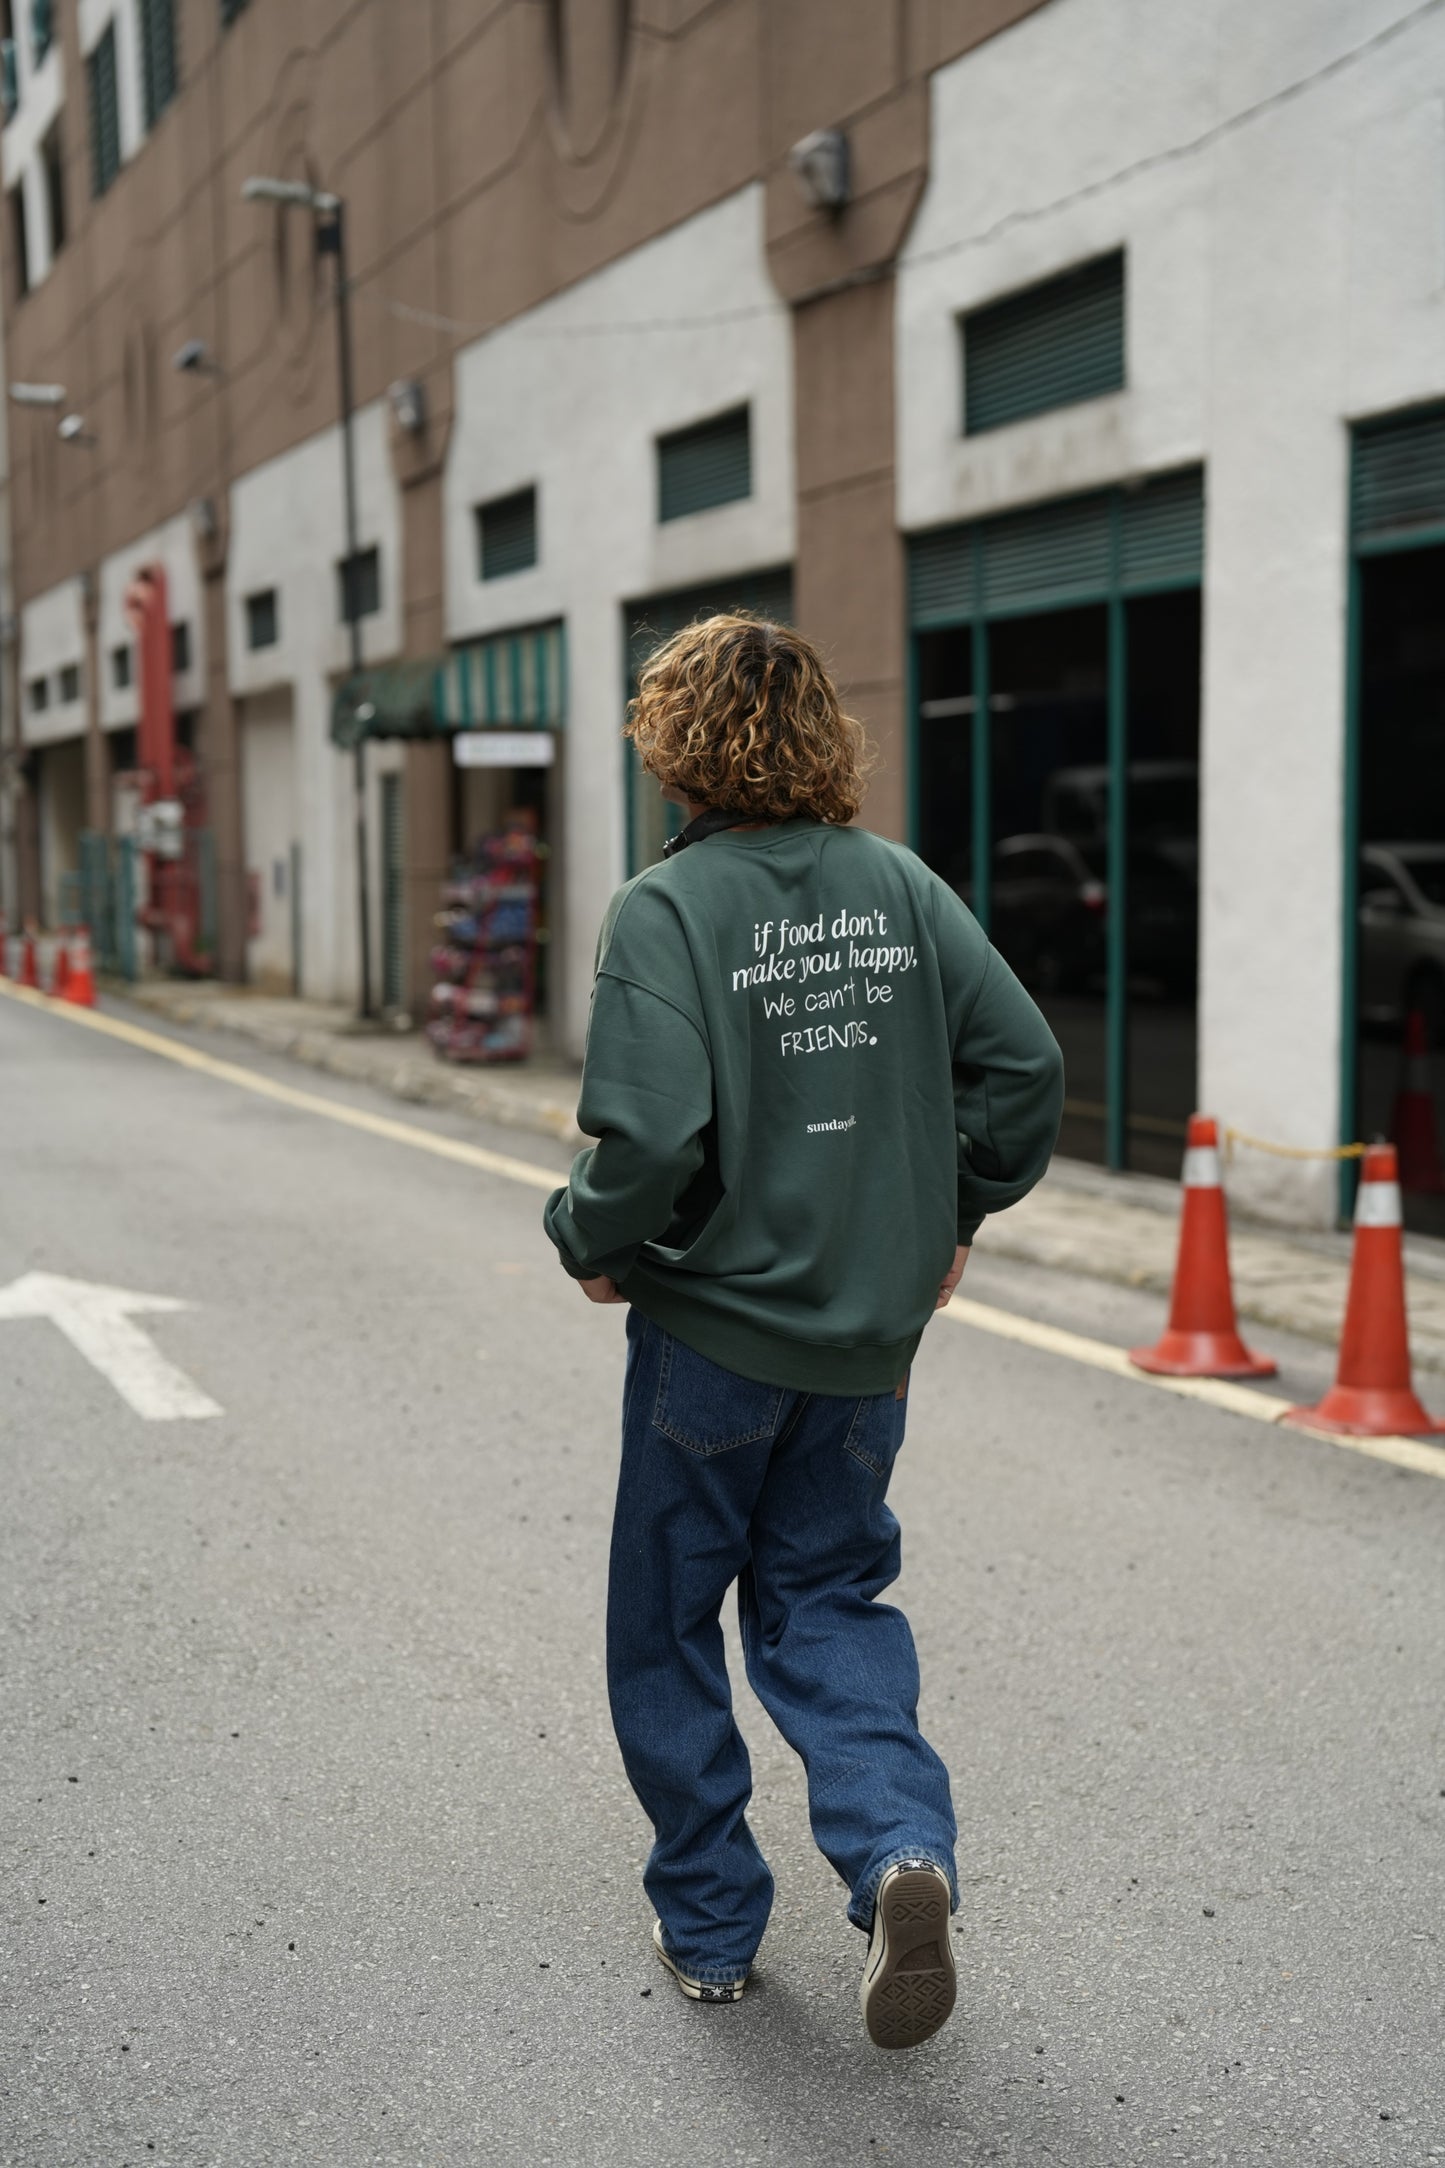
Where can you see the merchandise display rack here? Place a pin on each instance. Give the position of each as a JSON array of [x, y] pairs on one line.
[[484, 965]]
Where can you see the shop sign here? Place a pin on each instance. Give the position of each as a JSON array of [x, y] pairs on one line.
[[503, 749]]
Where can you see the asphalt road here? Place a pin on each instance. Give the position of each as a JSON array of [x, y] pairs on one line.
[[316, 1845]]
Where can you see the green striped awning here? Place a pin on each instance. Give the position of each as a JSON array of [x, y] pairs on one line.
[[512, 681], [509, 681]]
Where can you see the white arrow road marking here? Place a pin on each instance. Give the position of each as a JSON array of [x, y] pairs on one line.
[[97, 1321]]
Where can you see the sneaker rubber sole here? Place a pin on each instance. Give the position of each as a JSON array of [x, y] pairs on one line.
[[696, 1990], [909, 1982]]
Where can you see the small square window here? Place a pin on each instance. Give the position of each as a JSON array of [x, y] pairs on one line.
[[263, 619], [39, 695], [120, 667], [358, 579], [180, 648], [20, 239], [707, 465], [100, 68], [507, 534], [54, 161], [70, 682], [1050, 345], [159, 76]]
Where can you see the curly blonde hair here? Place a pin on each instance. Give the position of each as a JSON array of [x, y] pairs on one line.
[[738, 712]]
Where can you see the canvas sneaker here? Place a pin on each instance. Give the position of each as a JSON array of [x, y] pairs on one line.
[[909, 1983], [696, 1990]]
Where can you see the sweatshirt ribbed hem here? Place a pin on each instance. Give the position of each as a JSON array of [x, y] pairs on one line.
[[768, 1357]]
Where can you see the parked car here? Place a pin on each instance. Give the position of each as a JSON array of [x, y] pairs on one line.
[[1050, 915], [1402, 935]]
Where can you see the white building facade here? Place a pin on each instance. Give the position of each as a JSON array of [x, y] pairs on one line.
[[1171, 274], [1274, 180]]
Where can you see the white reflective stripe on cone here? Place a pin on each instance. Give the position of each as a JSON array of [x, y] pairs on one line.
[[1378, 1205], [1201, 1167]]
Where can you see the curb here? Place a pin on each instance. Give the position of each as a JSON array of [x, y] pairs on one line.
[[1296, 1290], [365, 1061]]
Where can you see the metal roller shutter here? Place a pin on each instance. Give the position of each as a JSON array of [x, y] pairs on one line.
[[705, 466], [1051, 346], [1056, 556], [1397, 477]]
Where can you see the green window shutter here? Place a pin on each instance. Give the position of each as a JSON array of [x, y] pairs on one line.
[[942, 578], [649, 623], [1161, 538], [704, 466], [263, 620], [104, 113], [358, 585], [1397, 477], [1050, 346], [158, 57], [507, 534], [1048, 556], [1057, 556]]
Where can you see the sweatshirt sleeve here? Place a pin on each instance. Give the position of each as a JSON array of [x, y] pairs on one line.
[[1008, 1073], [647, 1096]]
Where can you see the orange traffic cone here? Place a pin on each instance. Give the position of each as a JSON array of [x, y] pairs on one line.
[[59, 966], [1373, 1396], [29, 971], [80, 981], [1202, 1339], [1412, 1125]]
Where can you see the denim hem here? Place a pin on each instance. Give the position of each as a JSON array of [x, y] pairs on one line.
[[707, 1975], [860, 1911]]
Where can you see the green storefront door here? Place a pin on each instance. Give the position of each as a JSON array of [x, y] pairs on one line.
[[1055, 782], [1394, 872]]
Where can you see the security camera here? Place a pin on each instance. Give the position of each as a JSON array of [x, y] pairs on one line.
[[822, 165], [408, 404], [195, 358], [71, 430]]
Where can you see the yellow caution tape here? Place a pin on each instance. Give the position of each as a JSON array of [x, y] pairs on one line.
[[1234, 1136]]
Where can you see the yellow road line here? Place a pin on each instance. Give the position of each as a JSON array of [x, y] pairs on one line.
[[1246, 1400], [333, 1110], [1075, 1347]]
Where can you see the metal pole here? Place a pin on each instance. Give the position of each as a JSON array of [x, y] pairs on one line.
[[981, 780], [1116, 1058], [334, 238]]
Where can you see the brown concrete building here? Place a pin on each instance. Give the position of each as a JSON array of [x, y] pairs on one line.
[[1082, 395], [489, 157]]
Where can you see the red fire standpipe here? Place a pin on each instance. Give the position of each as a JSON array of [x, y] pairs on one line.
[[172, 912]]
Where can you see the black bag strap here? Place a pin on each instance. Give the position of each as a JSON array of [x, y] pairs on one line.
[[708, 823]]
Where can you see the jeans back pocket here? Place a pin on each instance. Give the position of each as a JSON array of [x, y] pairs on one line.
[[709, 1409], [876, 1431]]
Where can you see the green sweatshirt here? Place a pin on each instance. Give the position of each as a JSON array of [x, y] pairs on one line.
[[809, 1077]]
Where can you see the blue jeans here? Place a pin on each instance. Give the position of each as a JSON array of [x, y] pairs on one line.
[[724, 1479]]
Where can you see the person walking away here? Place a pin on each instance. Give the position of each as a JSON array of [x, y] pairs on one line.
[[809, 1077]]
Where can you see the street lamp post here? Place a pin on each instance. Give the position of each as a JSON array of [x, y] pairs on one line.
[[330, 214]]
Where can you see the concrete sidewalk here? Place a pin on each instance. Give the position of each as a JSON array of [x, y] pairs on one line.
[[1080, 1219]]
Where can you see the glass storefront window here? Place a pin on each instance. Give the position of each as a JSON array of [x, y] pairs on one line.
[[1400, 971]]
